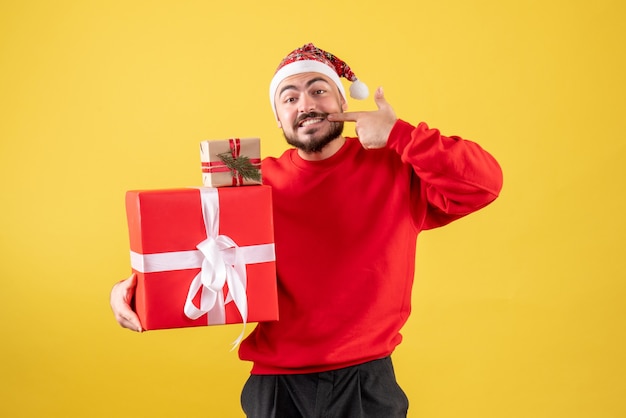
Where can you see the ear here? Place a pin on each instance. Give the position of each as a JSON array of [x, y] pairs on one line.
[[344, 104], [280, 125]]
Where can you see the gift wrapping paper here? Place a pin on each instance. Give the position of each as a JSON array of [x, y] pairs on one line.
[[231, 162], [202, 256]]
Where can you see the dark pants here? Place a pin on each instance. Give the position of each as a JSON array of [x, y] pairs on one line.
[[368, 390]]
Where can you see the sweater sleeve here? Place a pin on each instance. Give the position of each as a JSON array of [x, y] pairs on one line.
[[454, 176]]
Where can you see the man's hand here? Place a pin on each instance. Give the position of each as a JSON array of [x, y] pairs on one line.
[[121, 295], [371, 127]]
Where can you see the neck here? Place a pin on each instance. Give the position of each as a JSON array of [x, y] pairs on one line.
[[328, 151]]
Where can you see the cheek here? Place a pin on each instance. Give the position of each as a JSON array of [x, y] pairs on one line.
[[280, 118], [283, 117]]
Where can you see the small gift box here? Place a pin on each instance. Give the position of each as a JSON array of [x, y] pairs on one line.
[[231, 162], [202, 256]]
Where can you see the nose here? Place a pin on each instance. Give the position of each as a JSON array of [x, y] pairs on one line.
[[306, 104]]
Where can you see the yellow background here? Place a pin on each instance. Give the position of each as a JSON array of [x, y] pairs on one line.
[[518, 310]]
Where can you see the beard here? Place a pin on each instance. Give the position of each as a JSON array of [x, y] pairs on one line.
[[314, 145]]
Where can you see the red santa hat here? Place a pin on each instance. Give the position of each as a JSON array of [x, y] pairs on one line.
[[310, 58]]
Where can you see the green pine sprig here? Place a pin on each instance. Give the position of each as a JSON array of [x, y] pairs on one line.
[[241, 165]]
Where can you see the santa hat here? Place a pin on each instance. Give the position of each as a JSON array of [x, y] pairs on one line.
[[310, 58]]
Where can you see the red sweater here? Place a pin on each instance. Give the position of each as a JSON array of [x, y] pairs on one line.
[[346, 230]]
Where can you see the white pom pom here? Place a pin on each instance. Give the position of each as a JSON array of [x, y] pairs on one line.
[[358, 90]]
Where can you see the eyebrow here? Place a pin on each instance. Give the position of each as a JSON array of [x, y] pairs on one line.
[[308, 84]]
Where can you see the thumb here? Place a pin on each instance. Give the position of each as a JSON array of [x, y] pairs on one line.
[[379, 98], [128, 286]]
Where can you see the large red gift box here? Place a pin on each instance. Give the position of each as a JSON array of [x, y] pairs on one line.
[[203, 256]]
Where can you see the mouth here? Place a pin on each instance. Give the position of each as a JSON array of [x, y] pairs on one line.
[[310, 119]]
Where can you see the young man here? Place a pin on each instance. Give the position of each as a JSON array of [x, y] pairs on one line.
[[347, 213]]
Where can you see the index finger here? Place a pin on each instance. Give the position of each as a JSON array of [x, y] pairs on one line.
[[344, 117]]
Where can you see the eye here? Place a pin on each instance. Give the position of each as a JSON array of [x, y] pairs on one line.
[[319, 91]]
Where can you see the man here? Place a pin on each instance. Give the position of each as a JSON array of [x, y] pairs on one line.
[[347, 213]]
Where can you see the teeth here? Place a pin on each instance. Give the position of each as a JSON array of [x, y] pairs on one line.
[[310, 122]]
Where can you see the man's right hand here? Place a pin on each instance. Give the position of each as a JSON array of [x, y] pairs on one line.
[[121, 295]]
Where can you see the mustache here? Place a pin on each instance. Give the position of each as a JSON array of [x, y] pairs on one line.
[[309, 115]]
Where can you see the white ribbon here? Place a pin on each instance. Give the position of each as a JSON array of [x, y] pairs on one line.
[[221, 261]]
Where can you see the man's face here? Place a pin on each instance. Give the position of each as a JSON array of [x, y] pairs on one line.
[[302, 103]]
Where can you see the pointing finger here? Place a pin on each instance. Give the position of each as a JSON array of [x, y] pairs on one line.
[[344, 117]]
